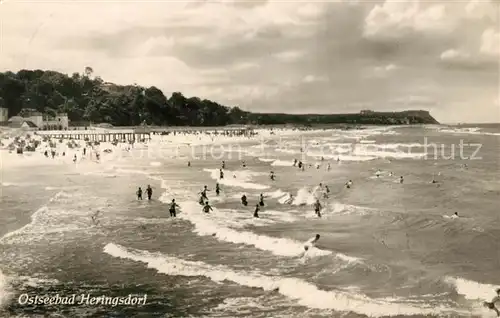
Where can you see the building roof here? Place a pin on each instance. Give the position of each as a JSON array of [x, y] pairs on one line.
[[103, 125], [16, 119], [19, 124], [30, 124]]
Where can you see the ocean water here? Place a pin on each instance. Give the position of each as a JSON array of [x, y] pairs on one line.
[[386, 249]]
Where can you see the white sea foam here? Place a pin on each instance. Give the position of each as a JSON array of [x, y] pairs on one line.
[[472, 290], [282, 163], [387, 154], [284, 198], [355, 158], [306, 196], [237, 179], [275, 194], [48, 221], [206, 224], [305, 293], [5, 290], [469, 131], [267, 159], [155, 164]]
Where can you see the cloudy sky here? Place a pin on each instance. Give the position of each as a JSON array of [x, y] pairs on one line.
[[279, 56]]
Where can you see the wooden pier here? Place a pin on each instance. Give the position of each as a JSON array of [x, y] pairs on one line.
[[96, 135], [132, 133]]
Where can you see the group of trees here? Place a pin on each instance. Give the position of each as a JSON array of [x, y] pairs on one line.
[[90, 99]]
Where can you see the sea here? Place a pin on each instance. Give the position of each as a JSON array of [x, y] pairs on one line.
[[387, 248]]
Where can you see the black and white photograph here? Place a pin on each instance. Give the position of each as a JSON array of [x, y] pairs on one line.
[[249, 158]]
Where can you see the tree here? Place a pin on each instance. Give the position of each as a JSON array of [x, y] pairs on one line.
[[88, 71]]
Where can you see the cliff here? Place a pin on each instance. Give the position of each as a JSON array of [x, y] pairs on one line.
[[87, 99]]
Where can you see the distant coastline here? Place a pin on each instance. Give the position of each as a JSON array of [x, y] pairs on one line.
[[87, 99]]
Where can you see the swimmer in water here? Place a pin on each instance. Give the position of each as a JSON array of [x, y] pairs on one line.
[[223, 164], [94, 217], [261, 200], [139, 194], [149, 192], [217, 189], [290, 199], [311, 242], [244, 200], [221, 174], [272, 176], [207, 208], [189, 163], [401, 179], [348, 184], [492, 304], [455, 215], [328, 167]]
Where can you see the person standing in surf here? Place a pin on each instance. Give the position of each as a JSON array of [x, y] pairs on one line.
[[317, 208], [217, 189], [173, 212], [139, 194], [261, 200], [492, 304], [204, 193], [149, 192], [256, 211]]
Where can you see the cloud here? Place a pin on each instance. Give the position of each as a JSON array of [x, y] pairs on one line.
[[399, 18], [337, 56], [454, 56], [313, 79], [289, 56], [382, 71], [490, 43]]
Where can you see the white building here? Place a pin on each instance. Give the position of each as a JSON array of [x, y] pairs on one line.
[[60, 122], [4, 114]]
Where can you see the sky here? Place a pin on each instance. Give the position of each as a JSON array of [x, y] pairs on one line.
[[274, 56]]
